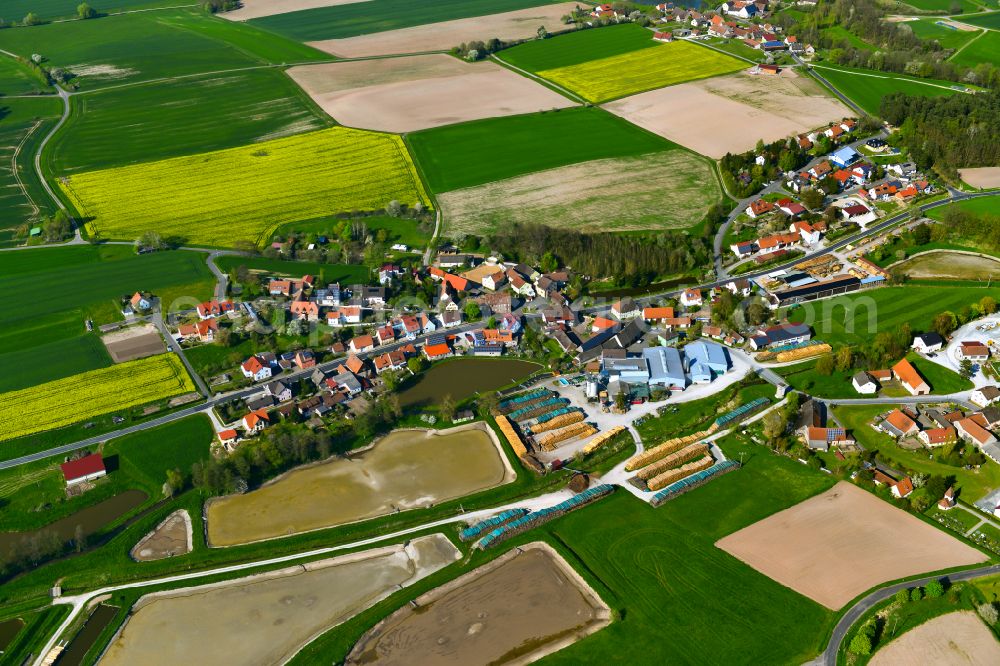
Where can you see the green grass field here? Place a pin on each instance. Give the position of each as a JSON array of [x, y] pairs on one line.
[[493, 149], [124, 126], [380, 15], [343, 273], [680, 599], [576, 48], [990, 20], [943, 5], [984, 206], [51, 291], [23, 125], [151, 45], [854, 319], [984, 49], [19, 79], [16, 10], [399, 230], [52, 360], [841, 34], [949, 38], [867, 88], [638, 71]]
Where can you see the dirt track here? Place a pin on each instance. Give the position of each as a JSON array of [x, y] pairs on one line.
[[447, 34], [834, 546], [417, 92], [955, 639], [730, 113]]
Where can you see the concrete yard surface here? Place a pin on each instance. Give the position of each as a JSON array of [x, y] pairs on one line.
[[838, 544], [266, 619], [417, 92], [514, 610], [520, 24], [955, 639]]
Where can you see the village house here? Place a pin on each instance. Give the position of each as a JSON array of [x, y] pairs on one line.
[[346, 316], [985, 395], [394, 360], [228, 438], [948, 501], [899, 425], [255, 421], [138, 303], [973, 429], [626, 308], [434, 352], [933, 437], [304, 310], [385, 334], [902, 488], [910, 378], [603, 323], [304, 359], [519, 285], [329, 297], [926, 343], [362, 343], [256, 369], [203, 330], [691, 298], [864, 383], [739, 288], [782, 334], [973, 350], [278, 390], [214, 308], [495, 281], [499, 303], [82, 470]]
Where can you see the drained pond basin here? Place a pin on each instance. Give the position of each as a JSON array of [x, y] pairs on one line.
[[527, 603], [406, 469], [464, 377], [265, 619]]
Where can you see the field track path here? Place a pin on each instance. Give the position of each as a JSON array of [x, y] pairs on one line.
[[545, 82], [965, 45]]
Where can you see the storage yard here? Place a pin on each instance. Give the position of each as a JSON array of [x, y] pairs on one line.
[[407, 469], [286, 608], [834, 546], [520, 607]]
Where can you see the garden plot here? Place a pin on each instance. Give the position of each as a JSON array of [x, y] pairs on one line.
[[834, 546], [251, 9], [947, 640], [667, 190], [285, 609], [984, 177], [134, 342], [520, 607], [405, 470], [520, 24], [419, 92], [700, 115]]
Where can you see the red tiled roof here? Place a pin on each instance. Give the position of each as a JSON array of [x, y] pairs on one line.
[[907, 374], [81, 467], [227, 434], [901, 421]]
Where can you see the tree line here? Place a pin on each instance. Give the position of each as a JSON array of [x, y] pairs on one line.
[[947, 133]]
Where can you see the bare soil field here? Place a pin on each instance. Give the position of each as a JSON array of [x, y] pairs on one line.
[[984, 177], [730, 113], [834, 546], [251, 9], [266, 619], [955, 639], [407, 469], [520, 607], [134, 342], [666, 190], [172, 537], [417, 92], [949, 265], [519, 24]]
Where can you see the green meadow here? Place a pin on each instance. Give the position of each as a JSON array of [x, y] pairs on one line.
[[493, 149], [23, 124], [867, 87], [578, 47], [121, 126], [949, 38], [151, 45], [49, 361], [16, 78], [943, 5], [855, 318], [841, 34], [984, 206], [363, 18], [16, 10], [990, 20], [51, 291], [984, 49]]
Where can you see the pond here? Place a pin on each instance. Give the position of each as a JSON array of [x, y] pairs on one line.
[[83, 641], [9, 630], [91, 520], [464, 377], [266, 619], [407, 469]]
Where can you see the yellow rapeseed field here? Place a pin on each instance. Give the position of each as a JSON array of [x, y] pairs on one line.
[[73, 399], [243, 194], [630, 73]]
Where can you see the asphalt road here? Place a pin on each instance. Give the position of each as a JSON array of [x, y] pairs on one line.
[[829, 656]]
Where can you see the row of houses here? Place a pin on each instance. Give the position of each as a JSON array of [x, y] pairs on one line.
[[869, 382], [934, 428]]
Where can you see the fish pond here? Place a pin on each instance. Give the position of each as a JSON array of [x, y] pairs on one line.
[[463, 378]]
